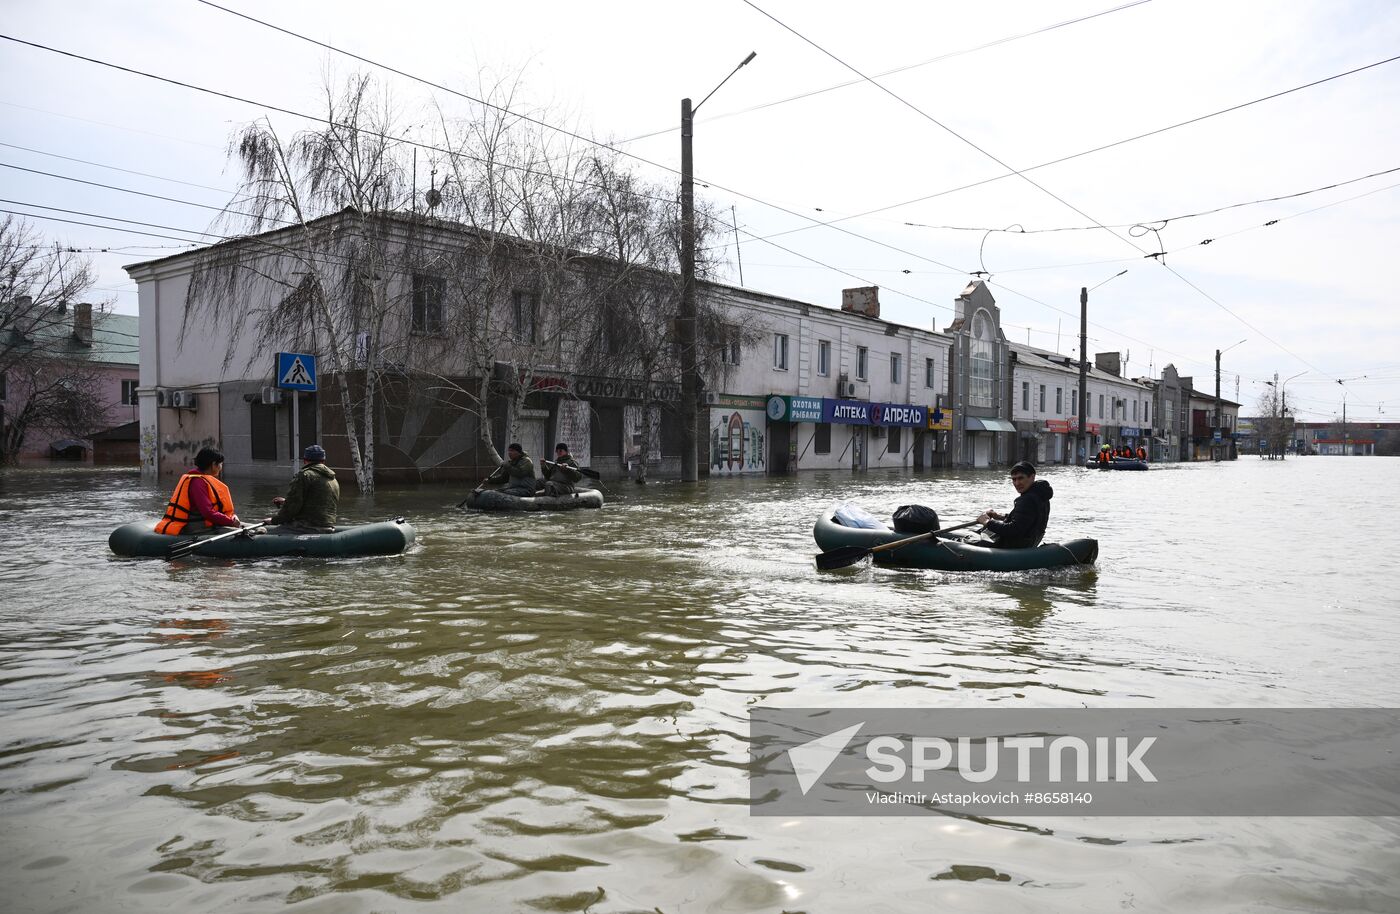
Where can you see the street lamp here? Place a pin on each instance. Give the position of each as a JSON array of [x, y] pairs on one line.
[[1084, 361], [690, 469], [1215, 451]]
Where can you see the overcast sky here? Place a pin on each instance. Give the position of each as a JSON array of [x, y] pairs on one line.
[[1015, 83]]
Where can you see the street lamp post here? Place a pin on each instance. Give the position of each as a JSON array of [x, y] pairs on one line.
[[690, 375], [1215, 428]]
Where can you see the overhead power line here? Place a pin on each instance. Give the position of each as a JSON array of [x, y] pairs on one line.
[[903, 69], [916, 109]]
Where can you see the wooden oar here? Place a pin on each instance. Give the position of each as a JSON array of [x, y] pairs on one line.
[[183, 549], [590, 473], [849, 555]]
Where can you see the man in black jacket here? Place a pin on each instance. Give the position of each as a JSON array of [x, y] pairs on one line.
[[1025, 526]]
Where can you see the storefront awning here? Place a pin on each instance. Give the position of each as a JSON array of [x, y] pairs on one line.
[[986, 424]]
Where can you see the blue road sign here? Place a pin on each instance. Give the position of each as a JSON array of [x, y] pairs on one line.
[[296, 371]]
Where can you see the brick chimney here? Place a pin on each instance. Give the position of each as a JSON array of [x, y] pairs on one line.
[[1110, 362], [865, 300], [82, 323]]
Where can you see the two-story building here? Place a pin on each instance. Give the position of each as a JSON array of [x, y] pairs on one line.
[[1045, 405], [824, 389]]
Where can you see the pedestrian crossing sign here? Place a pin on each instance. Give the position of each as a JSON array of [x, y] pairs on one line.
[[296, 371]]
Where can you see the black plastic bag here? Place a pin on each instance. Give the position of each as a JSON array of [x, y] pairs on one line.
[[912, 519]]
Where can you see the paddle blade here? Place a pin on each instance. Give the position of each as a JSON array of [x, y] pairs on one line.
[[841, 558], [590, 473]]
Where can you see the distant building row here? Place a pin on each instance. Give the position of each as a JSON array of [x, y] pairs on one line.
[[794, 386]]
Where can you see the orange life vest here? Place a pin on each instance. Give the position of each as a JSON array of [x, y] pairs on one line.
[[181, 510]]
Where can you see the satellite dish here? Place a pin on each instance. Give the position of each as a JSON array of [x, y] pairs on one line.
[[433, 197]]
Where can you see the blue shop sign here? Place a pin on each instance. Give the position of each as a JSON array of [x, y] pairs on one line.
[[846, 412], [1131, 431], [898, 414]]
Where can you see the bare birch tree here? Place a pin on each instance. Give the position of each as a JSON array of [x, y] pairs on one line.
[[318, 261]]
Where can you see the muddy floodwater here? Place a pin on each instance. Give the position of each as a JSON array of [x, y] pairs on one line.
[[550, 712]]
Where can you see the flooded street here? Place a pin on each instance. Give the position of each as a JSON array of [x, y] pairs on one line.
[[549, 712]]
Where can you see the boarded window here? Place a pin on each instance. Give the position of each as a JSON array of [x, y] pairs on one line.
[[821, 440], [894, 440], [263, 431], [670, 433], [605, 439]]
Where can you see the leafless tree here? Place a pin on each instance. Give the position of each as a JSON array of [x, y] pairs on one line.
[[635, 294], [318, 260], [1272, 425], [47, 382]]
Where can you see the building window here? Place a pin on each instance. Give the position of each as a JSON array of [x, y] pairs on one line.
[[129, 392], [780, 351], [1146, 412], [862, 363], [428, 292], [526, 305], [1026, 396], [1059, 400], [892, 442], [896, 364], [1073, 402], [824, 358], [1135, 410], [928, 373], [981, 393], [1041, 398], [821, 438], [729, 346], [1100, 406]]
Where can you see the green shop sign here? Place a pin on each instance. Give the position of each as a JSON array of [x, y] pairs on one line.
[[794, 409]]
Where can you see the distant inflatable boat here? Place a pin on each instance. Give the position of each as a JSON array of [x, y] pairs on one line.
[[951, 555], [383, 538], [492, 500], [1118, 463]]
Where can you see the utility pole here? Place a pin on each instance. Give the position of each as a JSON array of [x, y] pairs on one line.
[[685, 329], [690, 470], [1083, 370], [1215, 425], [1214, 448]]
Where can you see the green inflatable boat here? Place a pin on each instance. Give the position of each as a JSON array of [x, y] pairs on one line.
[[383, 538], [950, 554], [492, 500]]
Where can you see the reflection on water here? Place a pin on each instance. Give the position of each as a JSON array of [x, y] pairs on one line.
[[549, 712]]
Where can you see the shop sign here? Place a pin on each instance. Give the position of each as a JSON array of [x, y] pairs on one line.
[[591, 388], [940, 420], [904, 414], [1130, 431], [1058, 426], [794, 409], [846, 412], [739, 401]]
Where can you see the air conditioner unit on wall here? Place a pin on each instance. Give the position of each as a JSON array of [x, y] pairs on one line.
[[846, 389], [163, 397], [711, 398], [271, 396], [184, 399]]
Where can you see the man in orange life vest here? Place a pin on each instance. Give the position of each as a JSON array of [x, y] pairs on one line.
[[201, 500]]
